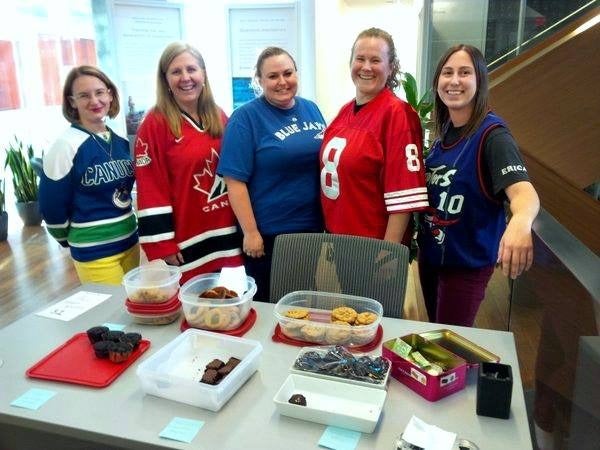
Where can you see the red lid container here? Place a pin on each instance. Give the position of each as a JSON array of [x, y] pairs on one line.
[[153, 308]]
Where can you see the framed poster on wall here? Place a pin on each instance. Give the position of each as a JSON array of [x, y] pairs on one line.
[[252, 28], [142, 31]]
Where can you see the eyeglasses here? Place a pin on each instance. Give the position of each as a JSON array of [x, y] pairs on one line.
[[100, 94]]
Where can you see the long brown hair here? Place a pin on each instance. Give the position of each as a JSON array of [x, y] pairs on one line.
[[393, 80], [441, 115], [69, 111], [208, 111]]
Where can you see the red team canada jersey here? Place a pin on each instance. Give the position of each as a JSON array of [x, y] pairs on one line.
[[372, 166], [182, 203]]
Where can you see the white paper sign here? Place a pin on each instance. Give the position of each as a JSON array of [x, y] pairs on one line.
[[428, 437], [234, 278], [73, 306]]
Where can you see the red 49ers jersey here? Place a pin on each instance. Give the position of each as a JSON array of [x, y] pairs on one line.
[[372, 166]]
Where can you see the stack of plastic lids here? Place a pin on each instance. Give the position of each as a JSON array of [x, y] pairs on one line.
[[152, 293]]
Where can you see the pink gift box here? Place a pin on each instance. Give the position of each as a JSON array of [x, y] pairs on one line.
[[431, 387]]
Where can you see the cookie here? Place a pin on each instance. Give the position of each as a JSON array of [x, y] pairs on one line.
[[218, 292], [297, 313], [344, 313], [340, 334], [216, 319], [365, 318], [313, 333]]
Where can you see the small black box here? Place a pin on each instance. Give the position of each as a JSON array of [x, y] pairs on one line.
[[494, 390]]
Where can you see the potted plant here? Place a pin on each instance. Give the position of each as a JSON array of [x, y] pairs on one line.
[[3, 213], [422, 105], [25, 182]]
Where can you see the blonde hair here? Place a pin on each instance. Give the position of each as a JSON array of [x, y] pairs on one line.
[[208, 111]]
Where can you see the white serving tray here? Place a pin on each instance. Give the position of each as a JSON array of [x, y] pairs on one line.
[[331, 402], [175, 370], [322, 351]]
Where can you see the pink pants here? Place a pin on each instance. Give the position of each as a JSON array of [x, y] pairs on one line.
[[453, 294]]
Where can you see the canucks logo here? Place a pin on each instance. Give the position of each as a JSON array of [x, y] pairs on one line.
[[121, 198]]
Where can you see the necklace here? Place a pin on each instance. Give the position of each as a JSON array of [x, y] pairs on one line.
[[108, 142]]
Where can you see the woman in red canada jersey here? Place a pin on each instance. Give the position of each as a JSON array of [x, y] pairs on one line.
[[184, 213]]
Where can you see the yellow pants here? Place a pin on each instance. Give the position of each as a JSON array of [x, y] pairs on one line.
[[109, 270]]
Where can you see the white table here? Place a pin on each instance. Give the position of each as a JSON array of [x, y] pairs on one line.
[[122, 416]]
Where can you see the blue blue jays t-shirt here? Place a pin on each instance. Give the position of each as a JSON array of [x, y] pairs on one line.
[[276, 153]]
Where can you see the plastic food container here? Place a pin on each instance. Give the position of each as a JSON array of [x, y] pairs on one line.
[[154, 313], [174, 371], [332, 403], [431, 387], [152, 283], [318, 328], [210, 313], [340, 375]]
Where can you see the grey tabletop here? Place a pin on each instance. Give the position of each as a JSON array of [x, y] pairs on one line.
[[122, 416]]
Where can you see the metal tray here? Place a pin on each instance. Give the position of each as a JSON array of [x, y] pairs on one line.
[[460, 346]]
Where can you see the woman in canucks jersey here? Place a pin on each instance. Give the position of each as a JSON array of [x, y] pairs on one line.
[[85, 188]]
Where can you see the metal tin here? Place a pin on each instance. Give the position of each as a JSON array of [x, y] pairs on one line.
[[460, 346], [431, 387]]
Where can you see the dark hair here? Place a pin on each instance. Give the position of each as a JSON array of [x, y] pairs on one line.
[[208, 111], [68, 110], [267, 53], [441, 116], [393, 80]]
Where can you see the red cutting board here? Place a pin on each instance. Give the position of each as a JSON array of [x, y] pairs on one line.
[[75, 362]]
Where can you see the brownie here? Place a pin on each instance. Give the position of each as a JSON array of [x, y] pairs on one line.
[[113, 335], [94, 334], [215, 364], [101, 349], [233, 361], [297, 399], [119, 351], [132, 338], [211, 376]]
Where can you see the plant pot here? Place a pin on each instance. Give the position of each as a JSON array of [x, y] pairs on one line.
[[3, 226], [30, 213]]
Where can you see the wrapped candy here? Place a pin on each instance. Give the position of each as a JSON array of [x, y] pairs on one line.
[[339, 362]]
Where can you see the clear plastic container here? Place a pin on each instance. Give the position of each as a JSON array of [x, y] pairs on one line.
[[155, 282], [174, 371], [214, 314], [318, 326], [162, 318]]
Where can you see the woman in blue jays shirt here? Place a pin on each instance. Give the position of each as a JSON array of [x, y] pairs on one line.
[[473, 167]]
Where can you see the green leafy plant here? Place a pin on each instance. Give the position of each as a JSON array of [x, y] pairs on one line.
[[422, 105], [25, 180]]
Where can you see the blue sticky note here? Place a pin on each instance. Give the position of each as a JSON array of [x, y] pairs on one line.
[[33, 398], [114, 326], [339, 439], [180, 429]]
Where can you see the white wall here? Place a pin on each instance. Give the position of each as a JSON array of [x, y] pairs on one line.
[[326, 79], [338, 23], [324, 74]]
